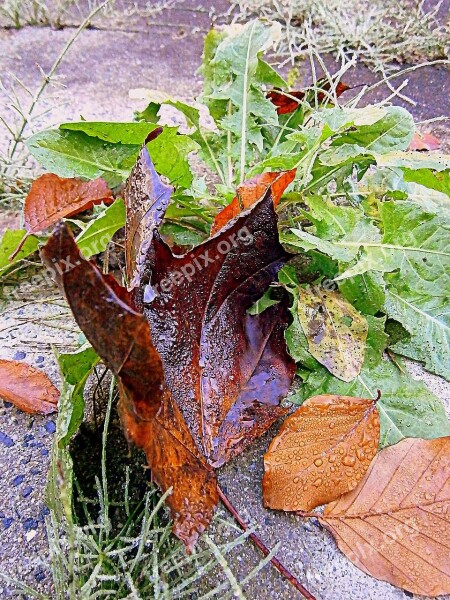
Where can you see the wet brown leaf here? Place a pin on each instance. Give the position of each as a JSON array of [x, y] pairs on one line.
[[146, 199], [335, 330], [321, 452], [395, 525], [27, 388], [250, 192], [121, 337], [51, 198]]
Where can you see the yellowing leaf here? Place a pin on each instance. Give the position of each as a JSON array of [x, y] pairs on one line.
[[27, 387], [395, 525], [321, 452], [335, 330]]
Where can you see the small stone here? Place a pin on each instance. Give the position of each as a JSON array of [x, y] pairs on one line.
[[6, 440], [44, 452], [39, 576], [19, 355], [29, 524], [18, 480], [7, 522], [27, 491], [7, 404], [30, 534], [40, 359], [35, 471], [50, 427]]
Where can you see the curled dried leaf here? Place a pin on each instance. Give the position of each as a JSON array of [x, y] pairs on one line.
[[335, 330], [252, 190], [395, 525], [321, 452], [27, 388]]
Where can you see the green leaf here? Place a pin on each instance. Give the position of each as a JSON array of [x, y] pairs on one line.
[[439, 181], [407, 407], [344, 118], [414, 160], [415, 242], [366, 292], [114, 133], [427, 320], [99, 232], [264, 302], [75, 369], [76, 154], [9, 242], [393, 131], [169, 150]]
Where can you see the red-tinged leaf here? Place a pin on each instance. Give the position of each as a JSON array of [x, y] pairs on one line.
[[423, 142], [51, 198], [227, 370], [250, 192], [146, 199], [121, 337], [27, 388], [288, 102]]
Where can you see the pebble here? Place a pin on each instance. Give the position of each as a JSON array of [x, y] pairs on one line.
[[6, 440], [7, 522], [29, 524], [39, 576], [50, 427], [44, 452], [18, 480], [30, 534], [19, 355], [27, 491], [40, 359]]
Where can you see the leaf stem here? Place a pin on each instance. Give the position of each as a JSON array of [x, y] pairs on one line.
[[263, 548]]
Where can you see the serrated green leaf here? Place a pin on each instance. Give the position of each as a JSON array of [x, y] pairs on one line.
[[75, 369], [415, 242], [114, 133], [366, 292], [414, 160], [99, 232], [9, 242], [393, 131], [439, 181], [76, 154], [427, 320]]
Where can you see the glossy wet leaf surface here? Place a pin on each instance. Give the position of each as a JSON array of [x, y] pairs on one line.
[[395, 525], [321, 452]]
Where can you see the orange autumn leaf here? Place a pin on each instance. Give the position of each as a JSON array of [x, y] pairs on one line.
[[395, 526], [27, 388], [288, 102], [51, 198], [321, 452], [424, 141], [250, 192]]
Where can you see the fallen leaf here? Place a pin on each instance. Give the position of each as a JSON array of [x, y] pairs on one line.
[[336, 332], [424, 141], [288, 102], [51, 198], [27, 388], [227, 370], [149, 415], [395, 525], [321, 452], [146, 199], [250, 192]]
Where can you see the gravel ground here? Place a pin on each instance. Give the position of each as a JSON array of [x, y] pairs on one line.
[[95, 79]]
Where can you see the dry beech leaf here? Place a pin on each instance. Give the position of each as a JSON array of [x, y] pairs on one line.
[[51, 198], [250, 192], [424, 141], [27, 388], [336, 332], [150, 417], [395, 525], [321, 452]]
